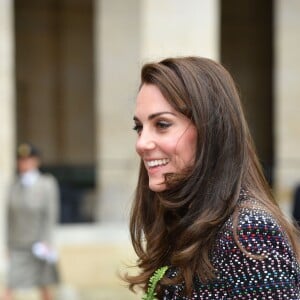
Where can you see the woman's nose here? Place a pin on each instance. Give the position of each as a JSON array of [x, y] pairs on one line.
[[145, 142]]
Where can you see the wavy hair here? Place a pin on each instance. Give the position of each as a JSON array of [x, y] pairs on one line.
[[178, 226]]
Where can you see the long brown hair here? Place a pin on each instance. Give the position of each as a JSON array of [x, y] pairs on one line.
[[179, 225]]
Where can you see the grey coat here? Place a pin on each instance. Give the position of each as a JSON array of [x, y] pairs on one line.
[[31, 217]]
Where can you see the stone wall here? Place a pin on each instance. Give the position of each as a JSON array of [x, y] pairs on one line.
[[7, 111], [287, 93]]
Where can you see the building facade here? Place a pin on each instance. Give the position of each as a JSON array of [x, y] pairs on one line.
[[70, 72]]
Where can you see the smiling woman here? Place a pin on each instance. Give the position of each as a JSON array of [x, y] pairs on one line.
[[163, 134], [203, 210]]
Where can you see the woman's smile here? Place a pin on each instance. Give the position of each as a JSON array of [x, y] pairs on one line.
[[157, 162]]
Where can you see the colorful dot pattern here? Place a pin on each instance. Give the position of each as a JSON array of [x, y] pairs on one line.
[[240, 276]]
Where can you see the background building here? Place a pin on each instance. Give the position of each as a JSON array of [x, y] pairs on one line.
[[69, 73]]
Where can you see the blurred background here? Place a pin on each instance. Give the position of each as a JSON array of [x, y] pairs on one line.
[[69, 73]]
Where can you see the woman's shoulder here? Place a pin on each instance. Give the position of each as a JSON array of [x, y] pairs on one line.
[[254, 229], [251, 216], [257, 230], [253, 253]]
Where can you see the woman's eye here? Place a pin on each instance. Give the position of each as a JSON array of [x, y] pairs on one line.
[[137, 128], [163, 124]]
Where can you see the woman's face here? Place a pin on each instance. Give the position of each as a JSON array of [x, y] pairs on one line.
[[26, 164], [166, 139]]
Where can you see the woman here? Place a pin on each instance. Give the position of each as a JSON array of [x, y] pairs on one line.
[[32, 212], [202, 205]]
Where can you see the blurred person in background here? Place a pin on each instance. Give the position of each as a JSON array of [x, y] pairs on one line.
[[32, 213], [204, 223]]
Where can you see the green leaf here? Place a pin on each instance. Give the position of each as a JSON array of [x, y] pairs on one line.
[[153, 281]]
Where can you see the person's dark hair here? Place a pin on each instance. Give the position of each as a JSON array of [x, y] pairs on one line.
[[179, 225], [25, 150]]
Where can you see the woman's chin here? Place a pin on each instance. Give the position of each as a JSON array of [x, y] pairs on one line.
[[157, 186]]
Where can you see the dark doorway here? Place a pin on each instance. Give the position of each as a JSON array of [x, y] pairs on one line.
[[54, 91], [247, 51]]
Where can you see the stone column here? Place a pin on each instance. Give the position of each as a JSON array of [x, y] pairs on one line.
[[7, 111], [287, 104], [117, 39], [179, 28]]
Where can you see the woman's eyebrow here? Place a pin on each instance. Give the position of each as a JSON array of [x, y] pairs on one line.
[[152, 116]]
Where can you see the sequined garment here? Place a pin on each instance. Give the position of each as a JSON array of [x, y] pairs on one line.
[[240, 276]]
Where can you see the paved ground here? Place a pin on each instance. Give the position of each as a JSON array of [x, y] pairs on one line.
[[96, 273], [90, 270]]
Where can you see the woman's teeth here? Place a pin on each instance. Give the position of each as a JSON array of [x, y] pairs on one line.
[[157, 162]]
